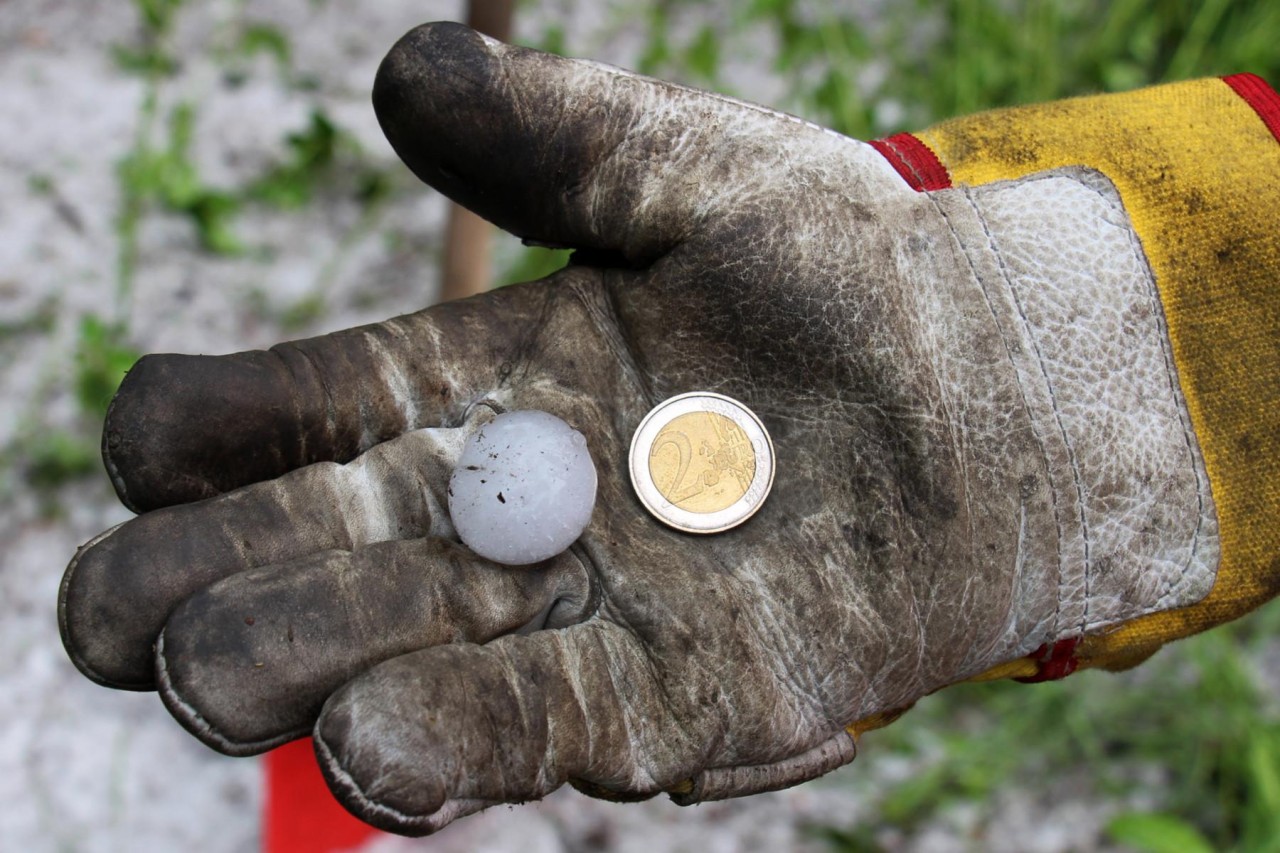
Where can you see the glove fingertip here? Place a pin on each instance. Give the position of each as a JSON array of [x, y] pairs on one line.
[[355, 797], [432, 87], [87, 619], [181, 428], [183, 708]]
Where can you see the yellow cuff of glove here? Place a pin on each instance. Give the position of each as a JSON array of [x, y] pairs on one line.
[[1198, 167]]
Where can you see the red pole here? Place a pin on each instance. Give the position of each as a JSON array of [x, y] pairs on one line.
[[299, 814]]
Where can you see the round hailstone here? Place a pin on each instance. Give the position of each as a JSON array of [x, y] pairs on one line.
[[524, 488]]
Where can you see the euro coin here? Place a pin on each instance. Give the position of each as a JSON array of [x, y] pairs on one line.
[[701, 462]]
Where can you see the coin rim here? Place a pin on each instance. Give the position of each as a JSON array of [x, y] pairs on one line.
[[641, 481]]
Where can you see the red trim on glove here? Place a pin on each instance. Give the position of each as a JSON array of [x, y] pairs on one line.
[[300, 815], [912, 159], [1056, 661], [1260, 96]]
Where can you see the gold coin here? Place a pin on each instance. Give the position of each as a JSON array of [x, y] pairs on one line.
[[701, 462]]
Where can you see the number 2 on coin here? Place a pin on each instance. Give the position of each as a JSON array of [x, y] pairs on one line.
[[681, 442]]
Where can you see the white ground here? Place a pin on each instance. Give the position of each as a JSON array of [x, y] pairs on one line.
[[84, 768]]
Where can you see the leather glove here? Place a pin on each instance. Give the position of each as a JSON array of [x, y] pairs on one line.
[[981, 448]]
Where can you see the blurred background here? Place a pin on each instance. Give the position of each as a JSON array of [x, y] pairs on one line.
[[208, 176]]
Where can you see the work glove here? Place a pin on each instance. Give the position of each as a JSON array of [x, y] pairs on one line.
[[982, 450]]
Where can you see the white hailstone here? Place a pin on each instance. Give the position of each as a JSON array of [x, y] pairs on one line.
[[524, 488]]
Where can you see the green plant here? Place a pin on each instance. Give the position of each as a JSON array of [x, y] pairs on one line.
[[49, 457], [915, 63], [302, 313], [1157, 833], [311, 154], [151, 56], [41, 184], [166, 176], [102, 359], [57, 457], [1195, 711], [989, 54], [257, 37], [242, 40], [532, 264], [853, 840], [39, 321]]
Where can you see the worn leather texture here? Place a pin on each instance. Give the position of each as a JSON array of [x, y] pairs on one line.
[[1074, 299], [980, 448]]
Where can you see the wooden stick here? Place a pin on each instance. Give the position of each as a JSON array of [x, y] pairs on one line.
[[466, 267]]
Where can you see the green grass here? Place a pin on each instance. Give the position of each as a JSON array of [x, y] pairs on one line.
[[940, 58], [152, 55], [49, 457], [102, 358], [1196, 712], [311, 154], [165, 177]]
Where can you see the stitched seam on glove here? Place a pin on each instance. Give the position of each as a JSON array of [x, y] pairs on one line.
[[1061, 430], [1118, 453]]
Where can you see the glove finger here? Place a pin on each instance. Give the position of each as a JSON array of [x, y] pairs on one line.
[[430, 736], [184, 428], [247, 663], [568, 152], [122, 586]]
